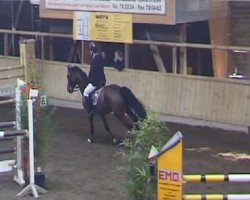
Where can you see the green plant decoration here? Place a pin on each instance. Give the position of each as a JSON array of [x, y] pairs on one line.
[[44, 127], [151, 132]]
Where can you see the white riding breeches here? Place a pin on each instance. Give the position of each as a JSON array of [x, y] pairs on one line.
[[90, 88]]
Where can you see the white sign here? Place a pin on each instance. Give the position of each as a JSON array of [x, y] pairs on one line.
[[35, 2], [33, 93], [125, 6], [197, 5], [81, 26]]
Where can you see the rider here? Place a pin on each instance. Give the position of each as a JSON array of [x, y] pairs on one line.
[[96, 76]]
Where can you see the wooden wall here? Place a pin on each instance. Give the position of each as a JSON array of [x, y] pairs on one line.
[[9, 76], [217, 100]]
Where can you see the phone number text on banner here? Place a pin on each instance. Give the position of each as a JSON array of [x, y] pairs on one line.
[[156, 7]]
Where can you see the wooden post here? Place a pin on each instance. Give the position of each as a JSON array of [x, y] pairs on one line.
[[183, 50], [28, 60], [82, 52], [158, 60], [6, 44], [219, 35], [42, 48], [126, 53], [174, 60]]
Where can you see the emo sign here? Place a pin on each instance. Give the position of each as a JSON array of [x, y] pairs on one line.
[[169, 172]]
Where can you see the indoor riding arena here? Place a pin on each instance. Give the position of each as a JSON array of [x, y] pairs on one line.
[[82, 171], [187, 61]]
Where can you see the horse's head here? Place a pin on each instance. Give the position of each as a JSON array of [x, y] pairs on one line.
[[76, 78]]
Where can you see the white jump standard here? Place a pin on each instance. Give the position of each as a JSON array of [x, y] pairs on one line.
[[32, 186], [8, 165]]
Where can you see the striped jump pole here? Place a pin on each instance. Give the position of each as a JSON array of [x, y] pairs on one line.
[[170, 178], [13, 133], [7, 124], [7, 165], [6, 139], [7, 101], [217, 178], [216, 197], [7, 150]]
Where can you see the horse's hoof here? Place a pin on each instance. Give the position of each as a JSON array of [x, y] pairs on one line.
[[89, 141]]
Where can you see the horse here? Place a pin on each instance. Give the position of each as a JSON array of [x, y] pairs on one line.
[[112, 98]]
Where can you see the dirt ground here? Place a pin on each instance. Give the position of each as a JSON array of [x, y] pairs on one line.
[[78, 170]]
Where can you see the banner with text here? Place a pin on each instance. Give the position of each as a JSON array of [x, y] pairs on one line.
[[105, 27], [156, 7]]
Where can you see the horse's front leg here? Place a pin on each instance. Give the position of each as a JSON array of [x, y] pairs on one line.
[[114, 140], [91, 122]]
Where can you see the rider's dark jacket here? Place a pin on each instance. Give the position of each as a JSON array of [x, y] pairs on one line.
[[96, 73]]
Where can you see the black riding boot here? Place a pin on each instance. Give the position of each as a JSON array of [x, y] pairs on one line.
[[88, 104]]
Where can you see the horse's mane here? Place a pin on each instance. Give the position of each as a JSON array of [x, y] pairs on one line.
[[77, 69]]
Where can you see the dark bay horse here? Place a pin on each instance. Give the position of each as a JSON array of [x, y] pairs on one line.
[[112, 98]]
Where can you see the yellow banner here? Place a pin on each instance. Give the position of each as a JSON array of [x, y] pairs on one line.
[[111, 27], [170, 173]]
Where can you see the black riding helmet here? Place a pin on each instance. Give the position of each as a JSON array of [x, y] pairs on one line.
[[93, 47]]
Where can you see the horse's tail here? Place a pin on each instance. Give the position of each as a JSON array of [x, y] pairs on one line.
[[133, 102]]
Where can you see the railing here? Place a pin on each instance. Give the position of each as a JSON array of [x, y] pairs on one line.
[[41, 36]]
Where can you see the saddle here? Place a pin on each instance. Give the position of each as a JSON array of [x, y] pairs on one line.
[[94, 96]]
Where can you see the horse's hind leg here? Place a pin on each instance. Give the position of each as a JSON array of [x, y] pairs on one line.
[[114, 140], [131, 114], [124, 120]]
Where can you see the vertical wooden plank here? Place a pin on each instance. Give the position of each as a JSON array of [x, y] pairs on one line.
[[174, 60], [6, 44], [219, 35], [126, 56], [183, 50], [82, 52], [42, 47], [28, 60]]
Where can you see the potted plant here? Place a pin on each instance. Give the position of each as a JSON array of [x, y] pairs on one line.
[[43, 132]]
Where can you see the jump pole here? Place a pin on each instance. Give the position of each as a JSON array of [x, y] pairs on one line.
[[32, 186], [170, 178], [7, 124]]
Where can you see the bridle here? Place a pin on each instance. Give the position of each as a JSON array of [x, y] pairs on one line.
[[76, 87]]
